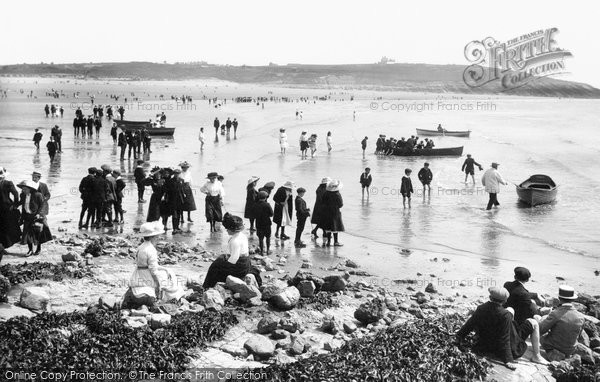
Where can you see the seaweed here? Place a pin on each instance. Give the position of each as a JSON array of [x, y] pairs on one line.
[[102, 341], [417, 351], [320, 301], [25, 272]]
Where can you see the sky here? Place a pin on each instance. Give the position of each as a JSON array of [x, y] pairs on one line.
[[293, 31]]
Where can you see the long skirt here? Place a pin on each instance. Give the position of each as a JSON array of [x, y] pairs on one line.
[[189, 203], [221, 268], [10, 232], [154, 208], [34, 236], [213, 208]]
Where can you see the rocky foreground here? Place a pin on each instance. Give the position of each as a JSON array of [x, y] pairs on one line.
[[315, 325]]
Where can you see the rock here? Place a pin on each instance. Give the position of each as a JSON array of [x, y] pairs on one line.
[[584, 339], [287, 299], [334, 283], [417, 312], [305, 275], [299, 345], [268, 263], [284, 343], [248, 292], [331, 325], [212, 299], [306, 288], [391, 303], [159, 320], [370, 311], [349, 327], [71, 256], [594, 310], [579, 307], [255, 301], [279, 334], [273, 288], [234, 350], [430, 288], [260, 346], [595, 342], [289, 324], [8, 311], [306, 264], [555, 355], [332, 345], [585, 299], [136, 322], [351, 264], [398, 322], [422, 297], [586, 354], [234, 284], [281, 358], [141, 312], [34, 298], [267, 324], [574, 360]]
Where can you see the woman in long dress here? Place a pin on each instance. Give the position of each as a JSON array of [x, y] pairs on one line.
[[35, 226], [155, 209], [175, 196], [282, 213], [214, 200], [10, 231], [251, 199], [333, 202], [189, 203], [283, 140], [318, 210], [237, 262], [149, 281]]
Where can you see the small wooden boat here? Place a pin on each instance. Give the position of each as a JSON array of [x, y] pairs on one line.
[[126, 123], [538, 189], [445, 133], [447, 151], [153, 131]]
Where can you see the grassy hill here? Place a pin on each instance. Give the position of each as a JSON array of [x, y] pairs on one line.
[[408, 77]]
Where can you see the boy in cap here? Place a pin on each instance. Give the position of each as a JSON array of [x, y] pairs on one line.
[[406, 187], [520, 299], [365, 180], [498, 334], [469, 168], [263, 213], [140, 175], [363, 144], [37, 137], [425, 176], [302, 212]]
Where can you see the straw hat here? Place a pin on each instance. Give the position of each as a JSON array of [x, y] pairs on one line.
[[498, 294], [184, 164], [566, 292], [151, 229], [325, 180], [253, 179], [289, 184], [334, 185], [28, 183], [270, 185]]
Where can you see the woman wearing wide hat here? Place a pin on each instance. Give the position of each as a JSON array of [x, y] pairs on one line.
[[149, 281], [237, 262], [10, 231], [282, 213], [317, 213], [35, 227], [251, 198], [157, 182], [332, 216], [189, 203], [214, 200], [175, 198]]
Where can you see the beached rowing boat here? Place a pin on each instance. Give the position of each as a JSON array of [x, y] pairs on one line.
[[123, 122], [538, 189], [153, 131], [447, 151], [445, 133]]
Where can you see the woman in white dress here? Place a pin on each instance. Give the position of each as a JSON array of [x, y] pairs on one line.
[[312, 143], [237, 262], [283, 143], [201, 138], [214, 200], [329, 142], [150, 282]]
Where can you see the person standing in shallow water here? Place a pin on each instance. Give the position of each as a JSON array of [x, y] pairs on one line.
[[201, 138], [492, 180], [283, 143], [37, 137], [363, 144], [282, 213], [332, 216], [406, 188], [329, 142], [425, 176], [52, 148], [469, 168], [365, 181], [263, 213]]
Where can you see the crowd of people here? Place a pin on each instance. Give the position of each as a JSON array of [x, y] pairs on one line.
[[225, 128], [387, 146]]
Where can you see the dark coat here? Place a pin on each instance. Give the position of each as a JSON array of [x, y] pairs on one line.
[[520, 300], [119, 189], [10, 232], [425, 175], [7, 188], [86, 188], [139, 175], [317, 215], [263, 213], [469, 165], [406, 187], [496, 332], [122, 141], [175, 193], [43, 189], [99, 190], [365, 179], [110, 185], [332, 216], [279, 198], [301, 210], [251, 198]]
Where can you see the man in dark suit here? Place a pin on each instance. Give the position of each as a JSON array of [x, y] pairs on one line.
[[498, 334], [520, 299], [86, 188], [122, 143], [139, 174]]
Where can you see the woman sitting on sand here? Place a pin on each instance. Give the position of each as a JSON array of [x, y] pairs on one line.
[[237, 262], [150, 282], [35, 227]]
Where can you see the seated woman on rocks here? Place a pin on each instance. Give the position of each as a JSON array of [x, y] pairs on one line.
[[150, 282], [237, 262]]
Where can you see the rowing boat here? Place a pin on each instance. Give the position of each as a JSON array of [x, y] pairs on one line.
[[538, 189], [447, 151], [122, 122], [444, 133], [153, 131]]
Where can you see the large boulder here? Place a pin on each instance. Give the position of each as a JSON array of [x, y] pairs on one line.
[[34, 298], [260, 346], [331, 325], [303, 275], [273, 288], [289, 324], [287, 299], [298, 345], [371, 311], [586, 354], [307, 288], [349, 327], [267, 324], [334, 283], [234, 284], [212, 299]]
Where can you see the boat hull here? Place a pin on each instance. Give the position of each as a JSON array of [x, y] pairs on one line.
[[448, 151], [436, 133], [538, 189], [153, 131], [123, 122]]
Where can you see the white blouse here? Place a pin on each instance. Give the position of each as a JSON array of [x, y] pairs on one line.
[[187, 177], [238, 247], [213, 189]]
